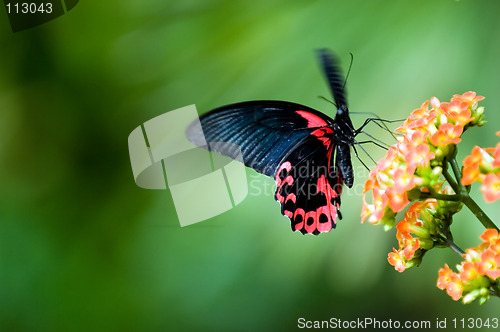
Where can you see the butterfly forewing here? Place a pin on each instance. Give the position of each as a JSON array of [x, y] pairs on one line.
[[265, 131]]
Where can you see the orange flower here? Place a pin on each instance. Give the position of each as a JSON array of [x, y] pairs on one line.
[[421, 112], [412, 140], [447, 134], [479, 270], [483, 165], [418, 157], [455, 287], [471, 174], [422, 122], [410, 245], [469, 97], [435, 103], [490, 236], [403, 181], [496, 157], [469, 272], [455, 106], [396, 259], [495, 247], [491, 187], [397, 202], [457, 111], [475, 157], [385, 163], [444, 277], [474, 254], [374, 212], [490, 264]]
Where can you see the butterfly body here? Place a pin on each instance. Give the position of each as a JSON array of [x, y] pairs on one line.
[[305, 151]]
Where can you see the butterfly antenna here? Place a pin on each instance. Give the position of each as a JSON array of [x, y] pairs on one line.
[[328, 100], [348, 72]]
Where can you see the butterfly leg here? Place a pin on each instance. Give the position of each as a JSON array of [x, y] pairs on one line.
[[357, 156], [373, 142], [375, 120]]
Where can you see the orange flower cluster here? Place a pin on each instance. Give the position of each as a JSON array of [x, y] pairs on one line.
[[478, 273], [419, 220], [413, 167], [483, 165], [414, 162]]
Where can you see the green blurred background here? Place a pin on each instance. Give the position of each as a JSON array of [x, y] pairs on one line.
[[83, 248]]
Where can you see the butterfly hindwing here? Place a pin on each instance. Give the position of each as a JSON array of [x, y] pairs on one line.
[[309, 184]]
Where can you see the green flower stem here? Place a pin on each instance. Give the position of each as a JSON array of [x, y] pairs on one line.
[[455, 248], [446, 237], [442, 197], [462, 191], [456, 170], [450, 180], [478, 212]]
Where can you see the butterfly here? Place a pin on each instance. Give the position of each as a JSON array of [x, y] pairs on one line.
[[305, 151]]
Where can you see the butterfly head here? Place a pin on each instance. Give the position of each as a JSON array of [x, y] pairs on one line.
[[342, 112]]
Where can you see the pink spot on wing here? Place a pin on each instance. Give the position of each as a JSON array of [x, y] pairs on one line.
[[286, 165], [299, 225], [291, 197], [279, 183], [312, 227], [330, 210], [324, 226], [289, 181]]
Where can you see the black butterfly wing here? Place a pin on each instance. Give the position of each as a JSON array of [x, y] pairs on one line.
[[264, 131], [309, 184]]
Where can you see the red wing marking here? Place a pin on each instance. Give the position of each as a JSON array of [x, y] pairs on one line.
[[330, 208], [325, 226], [299, 213], [312, 119], [289, 181], [279, 183], [291, 197], [286, 165], [320, 134], [327, 141], [310, 228]]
